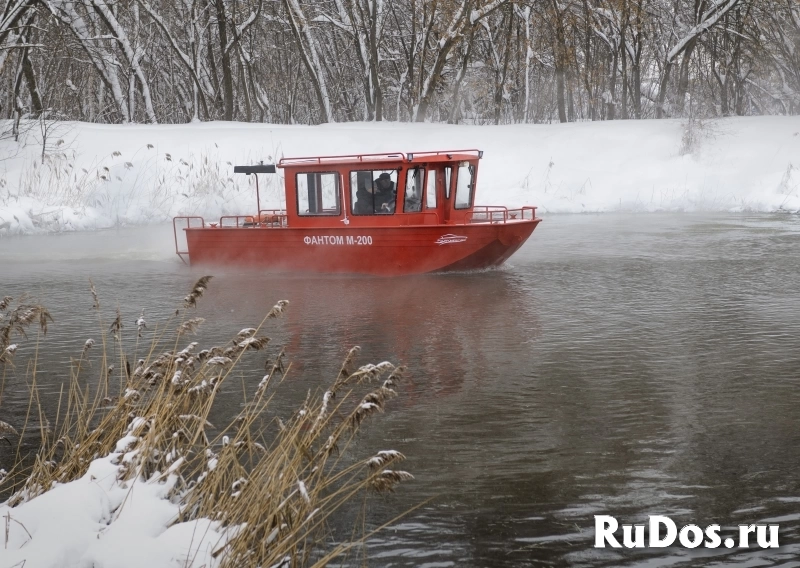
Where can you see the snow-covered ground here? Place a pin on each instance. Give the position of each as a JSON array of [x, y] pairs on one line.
[[96, 176], [84, 524]]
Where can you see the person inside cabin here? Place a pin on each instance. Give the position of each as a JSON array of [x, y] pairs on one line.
[[365, 200], [385, 195]]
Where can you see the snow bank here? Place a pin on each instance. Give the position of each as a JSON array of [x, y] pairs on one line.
[[96, 176], [97, 521]]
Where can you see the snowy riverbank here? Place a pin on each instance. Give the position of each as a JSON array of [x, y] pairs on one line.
[[140, 477], [96, 176], [63, 526]]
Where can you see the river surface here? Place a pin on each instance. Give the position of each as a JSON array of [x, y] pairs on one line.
[[629, 365]]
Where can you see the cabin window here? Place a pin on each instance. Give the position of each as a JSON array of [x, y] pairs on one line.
[[373, 192], [464, 185], [430, 191], [414, 185], [318, 193], [447, 174]]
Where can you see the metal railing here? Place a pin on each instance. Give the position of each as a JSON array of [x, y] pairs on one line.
[[500, 214], [265, 218], [233, 221], [186, 223], [386, 157], [304, 161], [462, 154]]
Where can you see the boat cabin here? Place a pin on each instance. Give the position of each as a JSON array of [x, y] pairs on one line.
[[427, 188]]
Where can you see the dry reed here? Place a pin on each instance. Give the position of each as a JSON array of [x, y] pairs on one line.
[[269, 483]]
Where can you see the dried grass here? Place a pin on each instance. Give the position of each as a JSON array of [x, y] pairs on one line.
[[269, 482], [18, 320]]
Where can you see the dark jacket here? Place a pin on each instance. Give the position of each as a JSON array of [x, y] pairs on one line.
[[364, 201], [385, 195]]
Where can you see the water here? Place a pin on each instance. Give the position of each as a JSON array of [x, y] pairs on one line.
[[623, 365]]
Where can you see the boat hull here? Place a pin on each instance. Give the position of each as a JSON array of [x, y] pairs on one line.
[[386, 251]]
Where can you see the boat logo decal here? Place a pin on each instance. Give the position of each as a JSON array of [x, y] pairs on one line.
[[450, 239]]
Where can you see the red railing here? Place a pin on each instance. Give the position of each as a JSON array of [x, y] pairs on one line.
[[187, 223], [231, 221], [425, 156], [346, 158], [387, 157], [265, 218], [500, 214]]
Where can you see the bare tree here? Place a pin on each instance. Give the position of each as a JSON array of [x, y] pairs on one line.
[[483, 61], [310, 56], [704, 16]]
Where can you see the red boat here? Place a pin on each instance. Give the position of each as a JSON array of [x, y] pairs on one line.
[[385, 214]]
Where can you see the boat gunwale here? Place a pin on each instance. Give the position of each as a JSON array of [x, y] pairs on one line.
[[208, 226]]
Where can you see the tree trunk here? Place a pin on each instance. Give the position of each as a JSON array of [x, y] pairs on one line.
[[500, 86], [723, 95], [308, 51], [560, 57], [227, 77], [683, 78], [110, 20], [637, 62], [462, 72], [526, 15], [103, 61], [612, 88], [377, 92], [623, 47], [587, 68], [462, 18], [662, 90], [637, 86], [17, 102], [27, 69]]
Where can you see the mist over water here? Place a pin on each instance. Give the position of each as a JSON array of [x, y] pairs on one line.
[[622, 365]]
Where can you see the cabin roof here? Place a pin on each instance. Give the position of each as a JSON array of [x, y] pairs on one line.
[[382, 159]]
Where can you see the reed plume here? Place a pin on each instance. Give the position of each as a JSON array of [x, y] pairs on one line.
[[18, 320], [269, 482], [96, 304], [197, 290]]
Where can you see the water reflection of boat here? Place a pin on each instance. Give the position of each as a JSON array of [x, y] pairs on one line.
[[431, 323], [384, 214]]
